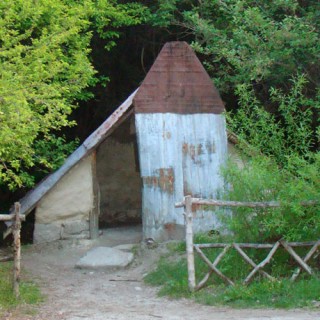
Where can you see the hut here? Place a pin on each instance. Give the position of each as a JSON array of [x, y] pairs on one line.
[[167, 140]]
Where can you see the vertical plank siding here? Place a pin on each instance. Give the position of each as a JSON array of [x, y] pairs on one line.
[[182, 140], [180, 154]]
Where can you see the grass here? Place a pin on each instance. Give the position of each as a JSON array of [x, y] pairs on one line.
[[171, 274], [29, 292], [267, 294]]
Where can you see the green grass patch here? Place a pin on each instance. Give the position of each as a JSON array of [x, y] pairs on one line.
[[29, 292], [171, 274], [264, 293]]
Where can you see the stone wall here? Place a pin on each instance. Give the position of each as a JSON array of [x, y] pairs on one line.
[[64, 212], [119, 178]]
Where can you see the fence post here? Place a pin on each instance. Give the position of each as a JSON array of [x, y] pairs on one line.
[[17, 249], [189, 243]]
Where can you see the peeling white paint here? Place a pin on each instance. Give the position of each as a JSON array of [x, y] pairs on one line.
[[194, 146]]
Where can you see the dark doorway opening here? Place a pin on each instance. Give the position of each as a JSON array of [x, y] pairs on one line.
[[118, 174]]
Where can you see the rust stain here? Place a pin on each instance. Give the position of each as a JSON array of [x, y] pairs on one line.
[[194, 207], [198, 149], [211, 147], [164, 179], [185, 148], [170, 229], [192, 151], [170, 226], [166, 135]]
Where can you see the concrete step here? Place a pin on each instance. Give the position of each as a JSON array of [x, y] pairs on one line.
[[105, 258]]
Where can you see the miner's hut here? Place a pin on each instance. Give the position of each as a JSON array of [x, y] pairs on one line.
[[167, 140]]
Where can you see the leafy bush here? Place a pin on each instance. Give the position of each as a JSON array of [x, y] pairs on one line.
[[262, 180], [280, 166], [285, 136], [245, 42]]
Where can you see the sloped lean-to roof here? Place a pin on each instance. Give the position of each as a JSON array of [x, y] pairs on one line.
[[30, 200]]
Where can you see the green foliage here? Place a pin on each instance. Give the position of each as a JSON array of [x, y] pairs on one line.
[[279, 294], [29, 292], [245, 42], [288, 134], [262, 180], [281, 168], [45, 68], [51, 152]]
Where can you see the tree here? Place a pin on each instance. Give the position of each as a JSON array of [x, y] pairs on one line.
[[244, 41], [45, 68], [264, 54], [264, 58]]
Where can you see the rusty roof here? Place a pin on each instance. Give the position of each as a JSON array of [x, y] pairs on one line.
[[177, 83]]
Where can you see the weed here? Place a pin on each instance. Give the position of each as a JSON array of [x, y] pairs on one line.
[[29, 292]]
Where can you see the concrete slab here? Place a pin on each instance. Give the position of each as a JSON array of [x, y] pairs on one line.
[[105, 258]]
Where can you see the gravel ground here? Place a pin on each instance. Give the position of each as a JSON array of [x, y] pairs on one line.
[[73, 294]]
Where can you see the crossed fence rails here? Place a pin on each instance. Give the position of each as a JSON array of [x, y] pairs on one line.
[[256, 268]]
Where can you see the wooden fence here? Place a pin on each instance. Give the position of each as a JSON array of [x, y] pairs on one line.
[[16, 219], [257, 268]]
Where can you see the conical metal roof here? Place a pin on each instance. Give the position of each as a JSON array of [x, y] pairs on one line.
[[177, 83]]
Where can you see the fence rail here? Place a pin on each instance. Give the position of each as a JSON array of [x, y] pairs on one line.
[[222, 203], [256, 268], [11, 217], [16, 219]]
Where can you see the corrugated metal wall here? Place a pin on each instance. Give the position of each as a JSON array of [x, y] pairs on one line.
[[179, 155]]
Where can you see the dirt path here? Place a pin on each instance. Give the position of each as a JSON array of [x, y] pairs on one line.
[[86, 295]]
